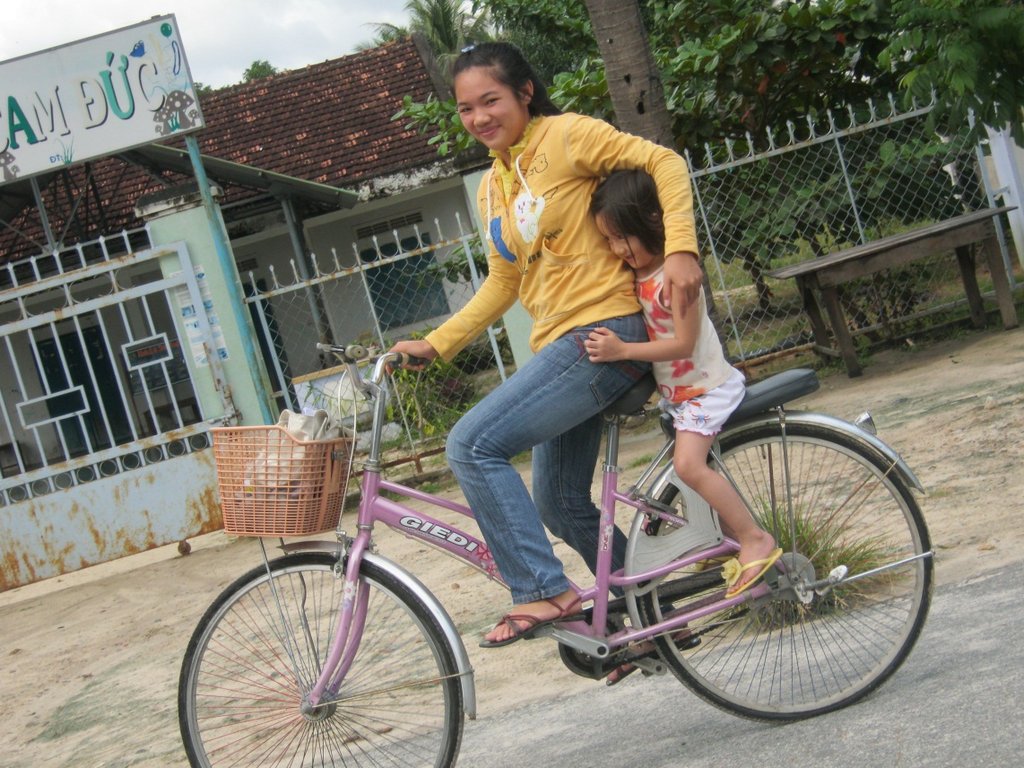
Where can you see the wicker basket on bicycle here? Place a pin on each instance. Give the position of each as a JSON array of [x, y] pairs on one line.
[[272, 484]]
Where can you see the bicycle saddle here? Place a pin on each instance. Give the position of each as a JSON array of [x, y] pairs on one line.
[[764, 395], [634, 399]]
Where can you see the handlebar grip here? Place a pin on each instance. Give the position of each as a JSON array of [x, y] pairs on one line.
[[404, 360]]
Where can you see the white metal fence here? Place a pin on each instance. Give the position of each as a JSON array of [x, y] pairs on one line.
[[95, 368], [102, 433], [405, 283]]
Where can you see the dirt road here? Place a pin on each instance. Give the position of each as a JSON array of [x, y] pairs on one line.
[[90, 660]]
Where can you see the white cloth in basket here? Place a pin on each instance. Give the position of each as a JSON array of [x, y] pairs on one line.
[[278, 469]]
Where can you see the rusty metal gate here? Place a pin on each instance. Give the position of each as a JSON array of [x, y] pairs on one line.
[[104, 349]]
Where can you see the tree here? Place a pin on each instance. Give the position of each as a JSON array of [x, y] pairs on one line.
[[257, 70], [447, 26], [556, 33], [970, 53], [739, 67], [634, 82], [733, 67]]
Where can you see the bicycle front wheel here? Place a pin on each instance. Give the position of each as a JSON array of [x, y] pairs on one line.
[[260, 647], [829, 499]]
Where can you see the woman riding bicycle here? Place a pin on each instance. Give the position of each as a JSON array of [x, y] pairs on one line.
[[546, 251]]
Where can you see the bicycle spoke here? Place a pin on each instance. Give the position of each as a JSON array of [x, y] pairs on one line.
[[829, 500], [240, 701]]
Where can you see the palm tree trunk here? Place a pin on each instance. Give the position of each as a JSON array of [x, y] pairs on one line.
[[634, 83]]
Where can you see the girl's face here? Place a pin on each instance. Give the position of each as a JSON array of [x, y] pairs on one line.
[[628, 248], [492, 112]]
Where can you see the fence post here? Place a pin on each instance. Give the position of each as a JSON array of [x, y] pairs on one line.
[[1005, 154], [849, 188]]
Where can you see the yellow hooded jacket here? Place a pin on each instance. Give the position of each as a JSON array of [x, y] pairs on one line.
[[545, 249]]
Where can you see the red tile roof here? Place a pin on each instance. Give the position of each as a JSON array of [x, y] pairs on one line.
[[329, 122]]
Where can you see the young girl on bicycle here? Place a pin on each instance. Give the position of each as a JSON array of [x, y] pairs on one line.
[[697, 385]]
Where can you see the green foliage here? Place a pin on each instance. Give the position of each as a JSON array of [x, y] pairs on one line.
[[455, 269], [447, 26], [730, 68], [555, 34], [969, 52], [258, 70], [439, 117], [433, 399], [826, 540], [584, 90]]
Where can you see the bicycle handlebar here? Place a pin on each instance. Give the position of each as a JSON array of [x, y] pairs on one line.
[[350, 354]]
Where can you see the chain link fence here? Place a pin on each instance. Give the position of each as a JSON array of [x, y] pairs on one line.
[[768, 203], [761, 204], [397, 284]]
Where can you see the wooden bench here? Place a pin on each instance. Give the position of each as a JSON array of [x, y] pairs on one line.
[[819, 278]]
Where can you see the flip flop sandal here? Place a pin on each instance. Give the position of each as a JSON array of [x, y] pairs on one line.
[[533, 624], [732, 571]]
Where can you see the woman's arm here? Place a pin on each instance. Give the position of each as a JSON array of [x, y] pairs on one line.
[[598, 148]]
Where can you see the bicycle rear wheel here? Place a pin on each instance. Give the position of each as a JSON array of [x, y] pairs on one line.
[[260, 646], [840, 503]]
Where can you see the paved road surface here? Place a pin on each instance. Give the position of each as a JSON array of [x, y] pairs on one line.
[[955, 702]]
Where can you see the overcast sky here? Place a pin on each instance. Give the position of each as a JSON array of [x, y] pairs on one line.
[[221, 37]]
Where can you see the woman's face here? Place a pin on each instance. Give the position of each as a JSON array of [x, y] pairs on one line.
[[492, 112]]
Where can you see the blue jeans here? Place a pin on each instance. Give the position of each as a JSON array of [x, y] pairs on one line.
[[552, 405]]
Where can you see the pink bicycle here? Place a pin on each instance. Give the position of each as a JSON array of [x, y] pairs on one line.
[[333, 655]]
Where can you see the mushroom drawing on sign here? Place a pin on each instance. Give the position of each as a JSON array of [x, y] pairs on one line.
[[176, 114], [8, 170]]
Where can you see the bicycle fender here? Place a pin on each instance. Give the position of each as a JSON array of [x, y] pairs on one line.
[[438, 611], [466, 679], [840, 425]]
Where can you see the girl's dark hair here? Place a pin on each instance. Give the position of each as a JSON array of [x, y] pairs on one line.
[[510, 68], [628, 200]]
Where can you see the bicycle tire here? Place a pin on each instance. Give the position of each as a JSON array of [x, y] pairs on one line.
[[777, 658], [239, 693]]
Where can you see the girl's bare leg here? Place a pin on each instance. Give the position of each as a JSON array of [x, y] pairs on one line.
[[691, 465]]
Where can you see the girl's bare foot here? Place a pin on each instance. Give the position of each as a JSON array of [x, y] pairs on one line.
[[753, 559]]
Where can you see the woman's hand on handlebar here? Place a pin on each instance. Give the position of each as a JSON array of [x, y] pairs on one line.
[[419, 349]]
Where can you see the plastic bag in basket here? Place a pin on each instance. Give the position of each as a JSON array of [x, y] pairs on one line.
[[278, 471]]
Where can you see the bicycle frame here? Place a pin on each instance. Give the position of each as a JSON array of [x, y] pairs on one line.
[[335, 648], [375, 508]]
